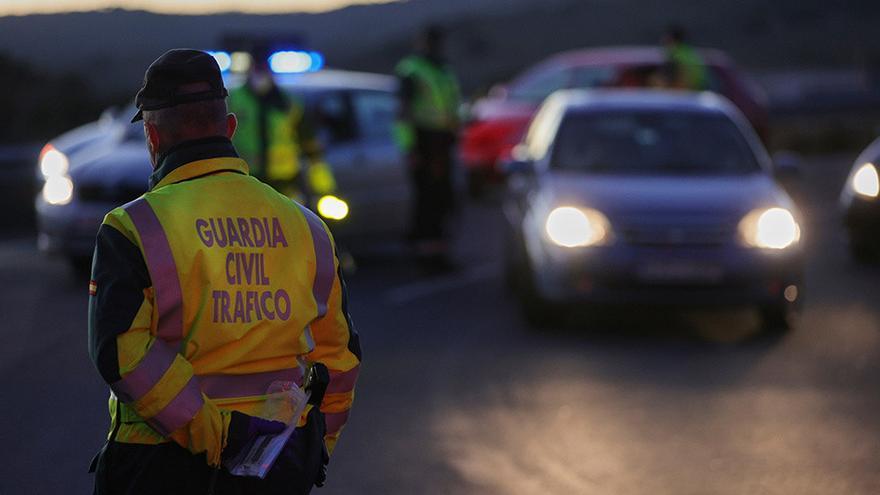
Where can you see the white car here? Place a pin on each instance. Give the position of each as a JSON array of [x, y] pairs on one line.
[[91, 170]]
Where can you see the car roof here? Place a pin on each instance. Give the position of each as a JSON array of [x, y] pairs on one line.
[[329, 79], [640, 99], [628, 55]]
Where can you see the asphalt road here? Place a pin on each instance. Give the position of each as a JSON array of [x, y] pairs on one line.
[[457, 395]]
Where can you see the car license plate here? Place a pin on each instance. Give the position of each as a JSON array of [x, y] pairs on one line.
[[679, 272]]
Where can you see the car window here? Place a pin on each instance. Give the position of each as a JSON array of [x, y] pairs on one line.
[[374, 112], [331, 116], [538, 86], [718, 81], [592, 77], [646, 75], [652, 142], [643, 75], [727, 83]]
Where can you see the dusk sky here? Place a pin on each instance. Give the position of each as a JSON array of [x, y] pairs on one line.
[[24, 7]]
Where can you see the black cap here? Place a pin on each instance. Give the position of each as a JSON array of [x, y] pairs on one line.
[[172, 70]]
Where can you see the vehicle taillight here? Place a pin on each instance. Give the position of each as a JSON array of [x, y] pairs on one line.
[[484, 143]]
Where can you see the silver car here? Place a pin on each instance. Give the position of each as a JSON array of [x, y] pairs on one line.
[[649, 197], [89, 171]]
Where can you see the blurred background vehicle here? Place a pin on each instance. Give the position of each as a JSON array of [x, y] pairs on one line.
[[860, 201], [652, 197], [498, 121], [90, 170]]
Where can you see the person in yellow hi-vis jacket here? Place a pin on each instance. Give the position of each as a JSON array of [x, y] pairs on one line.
[[206, 292], [685, 67], [426, 131], [274, 133]]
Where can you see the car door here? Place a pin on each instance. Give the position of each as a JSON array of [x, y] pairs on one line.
[[332, 115], [384, 170]]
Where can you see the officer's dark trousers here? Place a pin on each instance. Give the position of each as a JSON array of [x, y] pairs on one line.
[[432, 180], [169, 469]]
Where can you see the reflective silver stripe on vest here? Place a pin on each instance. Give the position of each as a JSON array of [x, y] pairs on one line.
[[179, 411], [335, 421], [310, 340], [343, 381], [147, 374], [169, 304], [325, 270], [163, 270]]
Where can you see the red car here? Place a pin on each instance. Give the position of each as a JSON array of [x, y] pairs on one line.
[[499, 120]]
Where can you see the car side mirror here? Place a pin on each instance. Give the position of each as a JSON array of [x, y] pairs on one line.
[[519, 163], [786, 165], [519, 174], [517, 167]]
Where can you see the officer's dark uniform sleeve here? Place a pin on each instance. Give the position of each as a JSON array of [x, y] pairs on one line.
[[119, 271]]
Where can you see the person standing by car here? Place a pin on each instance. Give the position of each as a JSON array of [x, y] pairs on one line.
[[426, 131], [208, 292], [274, 132], [686, 67]]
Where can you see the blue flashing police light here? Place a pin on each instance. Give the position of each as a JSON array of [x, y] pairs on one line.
[[295, 62], [224, 60], [317, 61]]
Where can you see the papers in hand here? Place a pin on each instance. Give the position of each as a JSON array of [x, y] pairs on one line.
[[257, 458]]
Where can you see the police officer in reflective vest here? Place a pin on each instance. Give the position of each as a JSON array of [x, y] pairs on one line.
[[686, 67], [274, 133], [209, 292], [426, 133]]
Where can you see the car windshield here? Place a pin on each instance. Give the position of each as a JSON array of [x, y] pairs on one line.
[[536, 86], [652, 142]]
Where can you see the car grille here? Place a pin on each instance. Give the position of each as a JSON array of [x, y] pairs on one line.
[[116, 195], [678, 235]]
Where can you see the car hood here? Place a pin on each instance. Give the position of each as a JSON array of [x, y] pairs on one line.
[[123, 164], [657, 198]]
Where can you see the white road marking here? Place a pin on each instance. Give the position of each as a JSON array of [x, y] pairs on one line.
[[417, 290]]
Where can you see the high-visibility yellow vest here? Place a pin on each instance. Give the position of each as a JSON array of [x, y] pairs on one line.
[[691, 69], [239, 291], [436, 99], [280, 161]]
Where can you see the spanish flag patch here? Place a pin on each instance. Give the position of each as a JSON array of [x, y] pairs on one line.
[[93, 287]]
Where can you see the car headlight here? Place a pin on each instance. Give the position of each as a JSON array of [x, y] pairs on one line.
[[571, 227], [332, 207], [53, 162], [865, 181], [770, 228], [58, 190]]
